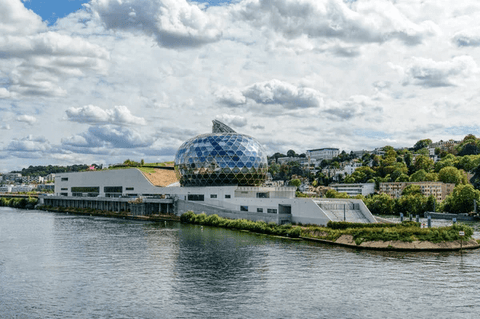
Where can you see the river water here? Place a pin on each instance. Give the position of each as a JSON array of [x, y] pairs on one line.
[[68, 266]]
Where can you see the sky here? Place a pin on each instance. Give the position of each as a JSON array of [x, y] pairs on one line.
[[103, 81]]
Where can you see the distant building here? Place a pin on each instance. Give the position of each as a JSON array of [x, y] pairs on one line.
[[354, 189], [323, 153], [350, 168], [6, 189], [300, 160], [12, 177], [359, 154], [444, 145], [438, 189], [49, 178], [32, 179]]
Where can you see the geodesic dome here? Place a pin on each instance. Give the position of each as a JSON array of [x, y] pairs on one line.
[[223, 157]]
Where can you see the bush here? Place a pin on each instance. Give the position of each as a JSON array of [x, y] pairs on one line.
[[258, 227]]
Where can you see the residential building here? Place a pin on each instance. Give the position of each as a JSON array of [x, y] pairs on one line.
[[32, 179], [12, 177], [323, 153], [6, 189], [438, 189], [354, 189], [49, 178]]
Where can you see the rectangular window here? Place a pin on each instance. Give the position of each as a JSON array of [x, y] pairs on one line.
[[228, 196], [87, 189], [64, 179], [259, 210], [113, 189], [262, 195], [64, 188], [244, 208], [63, 194], [213, 195], [271, 210], [129, 188], [196, 197]]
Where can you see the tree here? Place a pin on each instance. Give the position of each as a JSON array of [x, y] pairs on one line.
[[331, 193], [423, 162], [412, 204], [450, 175], [418, 176], [422, 143], [295, 182], [412, 190], [380, 204], [291, 153], [461, 199]]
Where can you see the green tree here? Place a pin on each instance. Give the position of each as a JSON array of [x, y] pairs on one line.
[[381, 204], [295, 182], [411, 190], [423, 162], [291, 153], [461, 199], [331, 193], [412, 204], [451, 175], [422, 143], [418, 176]]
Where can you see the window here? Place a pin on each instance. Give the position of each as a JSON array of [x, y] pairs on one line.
[[87, 189], [129, 188], [196, 197], [63, 194], [64, 188], [244, 208], [271, 210], [112, 189], [228, 196], [64, 179], [213, 195], [262, 195], [259, 210]]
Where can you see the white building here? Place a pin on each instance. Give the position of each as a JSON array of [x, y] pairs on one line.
[[354, 189], [322, 153], [6, 189], [255, 203]]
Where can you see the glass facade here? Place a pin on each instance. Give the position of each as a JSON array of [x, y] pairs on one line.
[[219, 159]]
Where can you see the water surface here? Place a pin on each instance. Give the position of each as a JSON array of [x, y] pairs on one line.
[[68, 266]]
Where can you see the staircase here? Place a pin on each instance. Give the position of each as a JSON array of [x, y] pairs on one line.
[[340, 211]]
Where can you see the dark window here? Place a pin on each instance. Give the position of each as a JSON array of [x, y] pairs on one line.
[[227, 196], [88, 189], [259, 210], [213, 195], [196, 197], [64, 179], [129, 188], [244, 208], [262, 195], [271, 210], [112, 189], [64, 188], [63, 194]]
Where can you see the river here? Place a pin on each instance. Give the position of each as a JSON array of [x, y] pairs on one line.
[[67, 266]]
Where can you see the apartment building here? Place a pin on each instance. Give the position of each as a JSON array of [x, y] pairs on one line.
[[438, 189]]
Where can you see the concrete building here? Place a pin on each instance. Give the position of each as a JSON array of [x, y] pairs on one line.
[[438, 189], [6, 189], [32, 179], [354, 189], [12, 177], [218, 173], [320, 154]]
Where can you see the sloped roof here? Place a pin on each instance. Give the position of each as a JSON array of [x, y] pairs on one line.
[[161, 177]]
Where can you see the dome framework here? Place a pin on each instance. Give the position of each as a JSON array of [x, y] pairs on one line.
[[221, 158]]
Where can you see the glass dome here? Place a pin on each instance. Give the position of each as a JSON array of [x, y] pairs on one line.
[[221, 158]]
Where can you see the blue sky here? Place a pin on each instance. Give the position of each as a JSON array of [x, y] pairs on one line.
[[51, 10]]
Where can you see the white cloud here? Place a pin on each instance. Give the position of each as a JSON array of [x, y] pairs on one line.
[[285, 94], [354, 22], [119, 115], [230, 97], [467, 38], [234, 120], [27, 119], [430, 73], [173, 23], [29, 144], [16, 19], [107, 137]]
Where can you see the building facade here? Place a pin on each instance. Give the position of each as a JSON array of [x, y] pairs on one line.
[[320, 154], [354, 189], [438, 189]]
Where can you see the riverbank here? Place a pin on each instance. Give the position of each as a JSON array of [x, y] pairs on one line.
[[105, 213], [406, 236], [22, 202]]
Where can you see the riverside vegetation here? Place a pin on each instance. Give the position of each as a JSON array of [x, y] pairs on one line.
[[22, 203], [406, 232]]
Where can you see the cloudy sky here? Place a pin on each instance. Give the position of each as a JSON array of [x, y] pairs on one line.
[[101, 81]]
